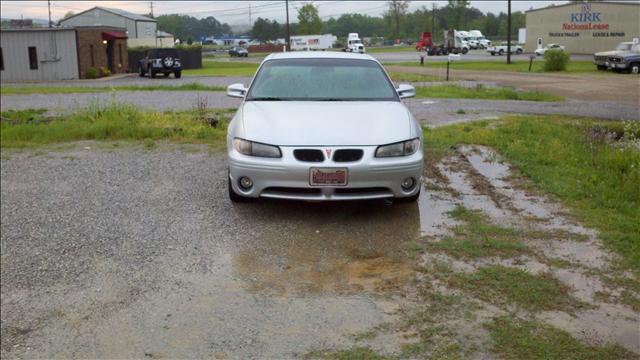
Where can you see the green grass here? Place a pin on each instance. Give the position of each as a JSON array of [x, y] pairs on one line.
[[223, 68], [391, 49], [411, 77], [574, 66], [479, 238], [528, 340], [503, 285], [112, 122], [482, 92], [19, 90], [597, 181]]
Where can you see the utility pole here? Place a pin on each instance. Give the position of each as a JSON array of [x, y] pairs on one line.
[[250, 23], [151, 8], [433, 19], [49, 6], [508, 31], [286, 2]]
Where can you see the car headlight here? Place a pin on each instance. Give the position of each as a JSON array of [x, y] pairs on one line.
[[251, 148], [403, 148]]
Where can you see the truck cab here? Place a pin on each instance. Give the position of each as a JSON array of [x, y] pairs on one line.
[[354, 44]]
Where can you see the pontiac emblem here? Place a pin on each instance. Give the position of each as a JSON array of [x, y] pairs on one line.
[[328, 152]]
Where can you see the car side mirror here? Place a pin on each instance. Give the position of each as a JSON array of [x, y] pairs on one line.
[[237, 90], [406, 91]]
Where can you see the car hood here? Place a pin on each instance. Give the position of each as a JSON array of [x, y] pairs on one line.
[[317, 123], [609, 53]]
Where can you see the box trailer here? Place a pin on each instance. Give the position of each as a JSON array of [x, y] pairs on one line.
[[312, 42]]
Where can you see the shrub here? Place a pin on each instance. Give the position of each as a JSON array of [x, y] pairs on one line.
[[104, 71], [556, 60], [92, 73]]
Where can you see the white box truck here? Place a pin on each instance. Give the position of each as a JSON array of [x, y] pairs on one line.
[[354, 44], [312, 42]]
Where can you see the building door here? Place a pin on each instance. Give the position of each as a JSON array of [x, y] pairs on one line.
[[539, 43], [110, 56]]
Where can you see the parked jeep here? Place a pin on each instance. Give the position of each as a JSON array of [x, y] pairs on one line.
[[160, 61], [626, 56]]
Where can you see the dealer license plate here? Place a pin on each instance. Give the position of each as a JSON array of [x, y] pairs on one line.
[[328, 176]]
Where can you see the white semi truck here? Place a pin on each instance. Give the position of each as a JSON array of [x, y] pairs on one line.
[[354, 44], [313, 42]]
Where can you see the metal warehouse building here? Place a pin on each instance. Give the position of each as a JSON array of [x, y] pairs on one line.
[[38, 54], [583, 28]]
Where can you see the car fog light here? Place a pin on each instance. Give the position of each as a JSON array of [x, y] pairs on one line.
[[408, 183], [246, 183]]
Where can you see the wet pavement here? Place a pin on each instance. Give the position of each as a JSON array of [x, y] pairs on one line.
[[120, 253]]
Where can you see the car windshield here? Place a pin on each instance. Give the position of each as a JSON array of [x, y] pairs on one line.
[[322, 80]]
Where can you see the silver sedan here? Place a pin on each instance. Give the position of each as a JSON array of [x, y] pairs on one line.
[[323, 126]]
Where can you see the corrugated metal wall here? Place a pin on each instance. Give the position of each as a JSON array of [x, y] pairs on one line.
[[57, 55], [98, 17]]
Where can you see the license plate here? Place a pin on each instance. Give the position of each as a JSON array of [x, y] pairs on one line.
[[328, 176]]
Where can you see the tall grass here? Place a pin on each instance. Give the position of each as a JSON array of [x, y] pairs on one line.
[[481, 92], [113, 122]]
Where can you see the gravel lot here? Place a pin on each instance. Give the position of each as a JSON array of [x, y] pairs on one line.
[[128, 253]]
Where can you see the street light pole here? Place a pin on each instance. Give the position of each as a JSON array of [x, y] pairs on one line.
[[509, 32], [49, 7], [288, 34]]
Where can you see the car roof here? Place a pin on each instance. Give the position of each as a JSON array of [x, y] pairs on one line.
[[318, 55]]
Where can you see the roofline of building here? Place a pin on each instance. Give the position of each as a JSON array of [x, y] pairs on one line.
[[66, 28], [568, 4], [109, 11]]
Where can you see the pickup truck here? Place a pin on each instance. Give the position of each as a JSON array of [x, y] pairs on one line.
[[629, 61], [502, 49], [626, 56]]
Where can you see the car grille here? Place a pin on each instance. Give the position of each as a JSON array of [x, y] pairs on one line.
[[361, 190], [615, 59], [601, 58], [293, 190], [308, 155], [347, 155]]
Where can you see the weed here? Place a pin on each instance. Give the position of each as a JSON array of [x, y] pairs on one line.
[[461, 111], [518, 339]]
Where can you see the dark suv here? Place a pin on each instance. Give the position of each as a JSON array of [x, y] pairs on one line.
[[164, 61]]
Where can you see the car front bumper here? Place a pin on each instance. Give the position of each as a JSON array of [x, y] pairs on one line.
[[288, 178]]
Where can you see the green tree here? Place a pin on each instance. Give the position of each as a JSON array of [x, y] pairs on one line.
[[456, 11], [395, 14], [265, 30], [308, 20]]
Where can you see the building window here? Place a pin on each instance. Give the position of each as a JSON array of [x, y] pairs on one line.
[[33, 58], [1, 60], [91, 53]]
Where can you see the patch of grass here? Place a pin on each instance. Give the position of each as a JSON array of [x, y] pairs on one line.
[[115, 122], [460, 112], [354, 353], [20, 90], [411, 77], [523, 340], [372, 333], [28, 115], [574, 66], [503, 285], [481, 92], [223, 68], [597, 181], [479, 238]]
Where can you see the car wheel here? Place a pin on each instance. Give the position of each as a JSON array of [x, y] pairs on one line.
[[235, 198], [152, 73], [493, 54], [634, 68], [141, 72], [409, 199], [602, 67], [519, 51], [465, 50], [501, 52], [178, 74]]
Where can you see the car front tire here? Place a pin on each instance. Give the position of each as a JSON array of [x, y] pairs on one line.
[[634, 68], [519, 51], [178, 74], [141, 72], [501, 52], [152, 73]]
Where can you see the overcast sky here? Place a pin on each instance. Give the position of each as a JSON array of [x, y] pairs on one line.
[[237, 12]]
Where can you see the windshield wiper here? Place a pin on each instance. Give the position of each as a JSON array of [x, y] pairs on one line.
[[268, 98], [328, 99]]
